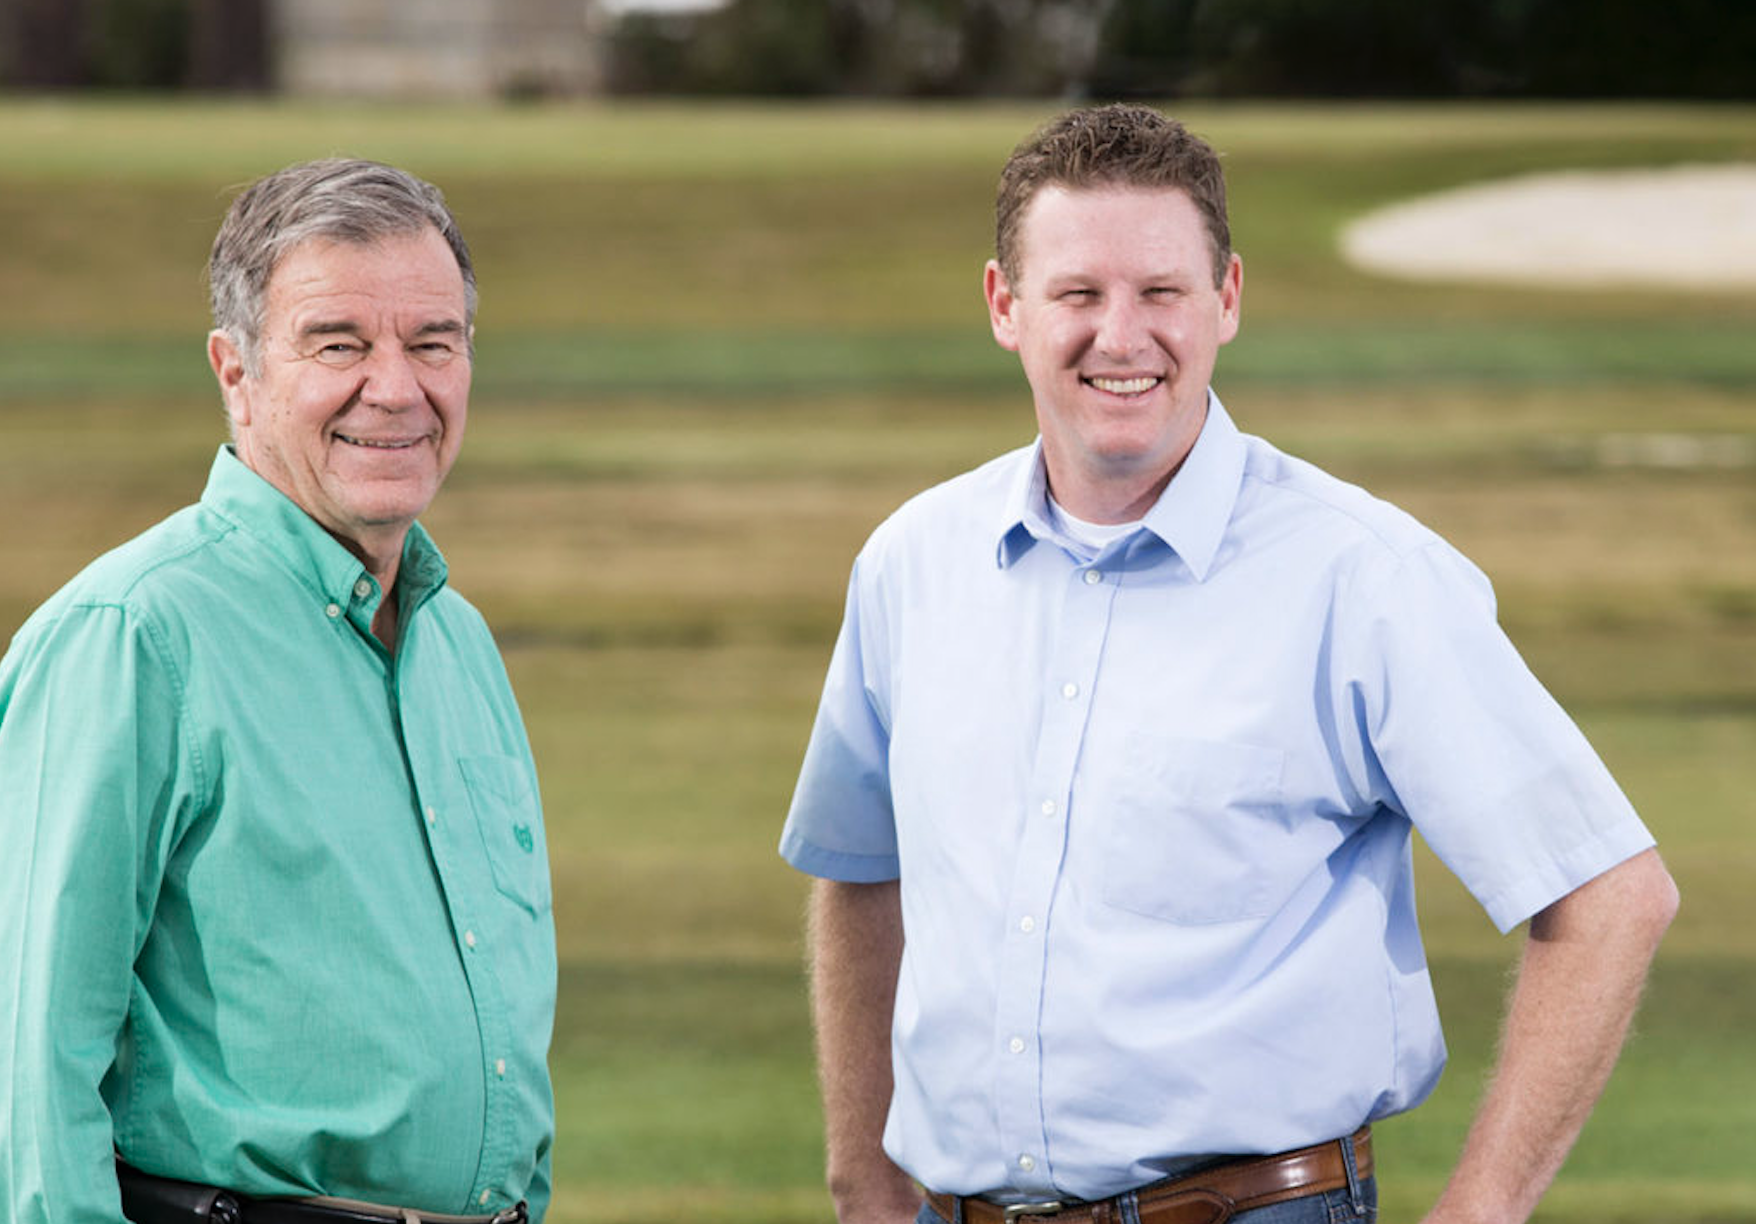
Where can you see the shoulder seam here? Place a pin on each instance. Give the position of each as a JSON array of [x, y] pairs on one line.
[[1425, 537]]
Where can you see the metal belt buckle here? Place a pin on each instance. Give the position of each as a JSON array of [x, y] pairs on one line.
[[1018, 1211]]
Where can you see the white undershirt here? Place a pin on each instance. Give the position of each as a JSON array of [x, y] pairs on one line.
[[1092, 538]]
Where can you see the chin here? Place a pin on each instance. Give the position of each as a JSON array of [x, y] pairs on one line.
[[382, 514], [1130, 456]]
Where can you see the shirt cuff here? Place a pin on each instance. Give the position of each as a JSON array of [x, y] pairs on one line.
[[838, 864]]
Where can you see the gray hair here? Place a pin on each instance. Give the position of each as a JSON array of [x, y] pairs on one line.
[[343, 199]]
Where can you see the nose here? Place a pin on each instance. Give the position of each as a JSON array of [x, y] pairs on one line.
[[392, 382], [1120, 328]]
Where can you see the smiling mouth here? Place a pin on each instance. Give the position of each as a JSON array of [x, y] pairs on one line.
[[1123, 386], [378, 443]]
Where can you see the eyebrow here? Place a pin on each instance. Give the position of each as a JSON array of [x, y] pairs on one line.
[[441, 327], [347, 327], [330, 327]]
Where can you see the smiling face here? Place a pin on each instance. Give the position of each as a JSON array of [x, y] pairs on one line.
[[358, 409], [1117, 322]]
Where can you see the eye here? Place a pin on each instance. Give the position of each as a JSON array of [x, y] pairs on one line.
[[340, 352], [435, 352], [1079, 295]]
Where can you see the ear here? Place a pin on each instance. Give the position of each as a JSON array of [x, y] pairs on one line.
[[228, 367], [1000, 306], [1231, 298]]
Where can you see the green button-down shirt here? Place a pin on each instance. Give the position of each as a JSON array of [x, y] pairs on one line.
[[274, 901]]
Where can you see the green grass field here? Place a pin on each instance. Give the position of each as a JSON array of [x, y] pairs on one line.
[[718, 343]]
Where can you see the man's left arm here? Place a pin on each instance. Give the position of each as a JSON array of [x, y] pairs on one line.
[[1584, 965]]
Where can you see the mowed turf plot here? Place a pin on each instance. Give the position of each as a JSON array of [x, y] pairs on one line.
[[718, 343]]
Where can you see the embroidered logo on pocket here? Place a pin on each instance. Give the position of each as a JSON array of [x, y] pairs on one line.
[[509, 822]]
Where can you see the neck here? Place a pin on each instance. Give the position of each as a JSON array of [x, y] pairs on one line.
[[1105, 500], [384, 621], [1108, 489], [379, 551]]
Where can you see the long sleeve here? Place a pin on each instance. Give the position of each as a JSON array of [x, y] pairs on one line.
[[274, 902], [91, 774]]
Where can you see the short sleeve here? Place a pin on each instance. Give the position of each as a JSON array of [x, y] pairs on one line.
[[1498, 779], [841, 825]]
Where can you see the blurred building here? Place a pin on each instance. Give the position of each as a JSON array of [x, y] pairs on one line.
[[333, 48], [435, 48]]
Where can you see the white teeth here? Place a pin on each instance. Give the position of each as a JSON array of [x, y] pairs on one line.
[[374, 445], [1124, 386]]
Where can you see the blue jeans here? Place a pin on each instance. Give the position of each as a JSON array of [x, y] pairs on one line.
[[1334, 1207]]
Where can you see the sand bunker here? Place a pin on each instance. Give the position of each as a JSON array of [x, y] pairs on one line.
[[1684, 227]]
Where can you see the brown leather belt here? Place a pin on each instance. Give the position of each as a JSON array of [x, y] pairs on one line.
[[1207, 1196]]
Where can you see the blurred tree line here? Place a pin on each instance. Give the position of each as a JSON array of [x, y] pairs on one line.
[[1207, 48], [134, 44], [947, 48]]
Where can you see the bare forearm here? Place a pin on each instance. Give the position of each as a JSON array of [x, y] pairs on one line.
[[1584, 966], [856, 950]]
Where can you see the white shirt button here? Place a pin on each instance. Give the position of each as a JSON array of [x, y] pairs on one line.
[[500, 1067], [432, 816], [1027, 1162], [484, 1199], [1048, 807], [1016, 1045], [362, 588], [1027, 924], [332, 611], [1070, 690], [1093, 577], [469, 938]]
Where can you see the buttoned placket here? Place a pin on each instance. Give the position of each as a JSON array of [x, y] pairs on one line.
[[1066, 687], [361, 607], [443, 829], [357, 605]]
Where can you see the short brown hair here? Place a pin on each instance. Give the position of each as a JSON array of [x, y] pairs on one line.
[[1115, 145]]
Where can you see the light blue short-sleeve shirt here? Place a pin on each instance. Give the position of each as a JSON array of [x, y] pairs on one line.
[[1151, 812]]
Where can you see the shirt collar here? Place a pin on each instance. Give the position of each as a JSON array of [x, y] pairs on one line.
[[255, 506], [1024, 515], [1190, 516]]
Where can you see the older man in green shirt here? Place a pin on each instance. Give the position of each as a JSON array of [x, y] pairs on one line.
[[274, 904]]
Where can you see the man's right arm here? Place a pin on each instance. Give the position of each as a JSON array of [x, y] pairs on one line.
[[855, 939], [84, 734]]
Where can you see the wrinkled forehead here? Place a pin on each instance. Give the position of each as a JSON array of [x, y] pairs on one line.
[[346, 246], [417, 266]]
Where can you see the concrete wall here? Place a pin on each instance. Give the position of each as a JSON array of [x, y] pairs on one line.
[[434, 48]]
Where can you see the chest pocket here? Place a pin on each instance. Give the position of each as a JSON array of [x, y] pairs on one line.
[[1196, 831], [511, 826]]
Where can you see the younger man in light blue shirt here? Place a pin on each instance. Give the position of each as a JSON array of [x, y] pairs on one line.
[[1113, 784]]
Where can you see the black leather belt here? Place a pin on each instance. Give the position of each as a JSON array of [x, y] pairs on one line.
[[162, 1200]]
